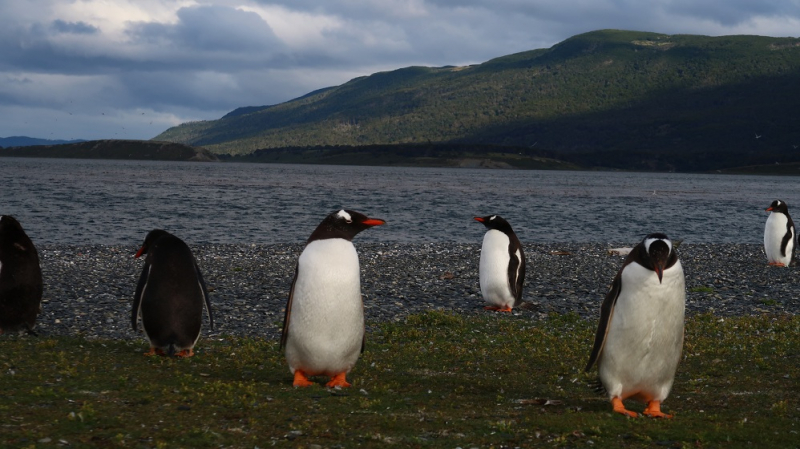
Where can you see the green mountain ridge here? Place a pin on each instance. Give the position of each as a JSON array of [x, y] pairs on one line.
[[615, 99]]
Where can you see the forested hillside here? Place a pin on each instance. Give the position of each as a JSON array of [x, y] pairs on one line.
[[619, 99]]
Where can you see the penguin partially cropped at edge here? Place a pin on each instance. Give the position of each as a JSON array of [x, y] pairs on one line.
[[779, 235], [502, 266], [170, 296], [20, 278], [323, 328], [640, 335]]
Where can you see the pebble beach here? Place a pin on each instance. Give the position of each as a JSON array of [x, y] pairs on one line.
[[88, 290]]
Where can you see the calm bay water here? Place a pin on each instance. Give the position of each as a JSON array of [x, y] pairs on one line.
[[117, 202]]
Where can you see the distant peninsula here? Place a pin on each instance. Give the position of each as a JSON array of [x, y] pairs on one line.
[[115, 149]]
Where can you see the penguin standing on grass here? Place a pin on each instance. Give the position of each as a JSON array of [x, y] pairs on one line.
[[170, 296], [640, 335], [502, 266], [779, 235], [323, 328], [20, 278]]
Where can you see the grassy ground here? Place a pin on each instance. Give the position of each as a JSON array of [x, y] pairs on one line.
[[437, 380]]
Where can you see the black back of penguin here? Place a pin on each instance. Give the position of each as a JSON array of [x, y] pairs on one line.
[[20, 277], [171, 292]]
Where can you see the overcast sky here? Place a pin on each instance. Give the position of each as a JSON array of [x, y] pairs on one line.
[[94, 69]]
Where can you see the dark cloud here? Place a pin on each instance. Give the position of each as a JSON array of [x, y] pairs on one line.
[[61, 26], [211, 29]]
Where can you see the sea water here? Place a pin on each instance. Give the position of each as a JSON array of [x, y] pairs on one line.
[[117, 202]]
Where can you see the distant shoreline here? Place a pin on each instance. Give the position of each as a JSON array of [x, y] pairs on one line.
[[478, 157]]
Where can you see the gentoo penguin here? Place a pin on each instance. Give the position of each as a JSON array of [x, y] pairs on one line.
[[640, 335], [779, 235], [20, 278], [170, 296], [502, 267], [323, 328]]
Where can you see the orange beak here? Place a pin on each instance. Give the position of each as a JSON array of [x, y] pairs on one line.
[[478, 219], [373, 222], [139, 253]]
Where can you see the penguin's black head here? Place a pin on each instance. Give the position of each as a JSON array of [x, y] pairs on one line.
[[150, 240], [343, 224], [11, 233], [778, 206], [9, 224], [495, 222], [658, 253]]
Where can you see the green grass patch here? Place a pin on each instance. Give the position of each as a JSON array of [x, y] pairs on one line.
[[436, 380]]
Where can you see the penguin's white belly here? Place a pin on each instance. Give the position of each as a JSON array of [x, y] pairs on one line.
[[493, 269], [326, 326], [645, 337], [774, 232]]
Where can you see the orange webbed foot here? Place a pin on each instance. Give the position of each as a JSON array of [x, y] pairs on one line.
[[498, 308], [653, 410], [777, 264], [154, 351], [185, 353], [619, 407], [338, 381], [300, 379]]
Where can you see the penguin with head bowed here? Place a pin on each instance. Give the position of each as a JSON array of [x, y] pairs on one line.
[[170, 296], [323, 326], [779, 235], [640, 335], [502, 265], [20, 278]]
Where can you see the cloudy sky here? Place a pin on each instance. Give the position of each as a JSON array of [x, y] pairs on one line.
[[93, 69]]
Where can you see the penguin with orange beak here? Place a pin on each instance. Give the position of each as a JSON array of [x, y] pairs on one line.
[[779, 235], [170, 296], [639, 338], [323, 326]]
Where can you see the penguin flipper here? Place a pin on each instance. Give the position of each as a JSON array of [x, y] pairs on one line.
[[364, 335], [606, 312], [288, 312], [516, 269], [137, 297], [206, 298], [788, 237]]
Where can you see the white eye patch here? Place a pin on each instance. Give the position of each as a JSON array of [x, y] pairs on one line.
[[345, 215], [492, 217]]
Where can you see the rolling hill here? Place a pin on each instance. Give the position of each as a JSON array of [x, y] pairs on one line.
[[615, 99]]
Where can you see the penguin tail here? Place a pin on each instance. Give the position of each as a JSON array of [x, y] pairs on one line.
[[598, 387], [171, 350]]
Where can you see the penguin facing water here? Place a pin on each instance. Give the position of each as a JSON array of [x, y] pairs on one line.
[[20, 278], [640, 335], [170, 296], [323, 327], [779, 235], [502, 265]]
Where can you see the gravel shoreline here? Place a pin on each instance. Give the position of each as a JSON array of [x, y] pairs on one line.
[[89, 289]]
